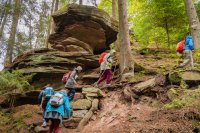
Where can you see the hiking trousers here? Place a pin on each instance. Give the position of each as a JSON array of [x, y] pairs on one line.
[[71, 94], [107, 74], [54, 127], [188, 59]]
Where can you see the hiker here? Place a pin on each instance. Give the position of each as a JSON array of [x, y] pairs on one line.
[[106, 66], [101, 57], [185, 48], [55, 110], [44, 98], [71, 81]]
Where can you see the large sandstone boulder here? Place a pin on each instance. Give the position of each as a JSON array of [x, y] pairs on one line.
[[89, 25], [50, 61]]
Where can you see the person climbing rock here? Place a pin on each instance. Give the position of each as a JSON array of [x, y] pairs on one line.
[[186, 51], [55, 110], [44, 98], [71, 81], [106, 66], [101, 57]]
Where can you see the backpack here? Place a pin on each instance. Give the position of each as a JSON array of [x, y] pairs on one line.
[[66, 77], [48, 92], [57, 100], [101, 57], [180, 46]]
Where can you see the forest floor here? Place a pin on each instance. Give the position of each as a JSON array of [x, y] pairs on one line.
[[117, 115]]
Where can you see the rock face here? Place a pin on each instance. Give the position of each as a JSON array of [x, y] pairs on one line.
[[86, 27], [46, 61]]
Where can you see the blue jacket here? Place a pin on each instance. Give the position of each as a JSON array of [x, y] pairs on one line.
[[42, 93], [62, 108], [188, 45]]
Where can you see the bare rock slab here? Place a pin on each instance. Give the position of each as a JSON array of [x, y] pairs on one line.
[[191, 76], [71, 123], [79, 113], [39, 129], [81, 104]]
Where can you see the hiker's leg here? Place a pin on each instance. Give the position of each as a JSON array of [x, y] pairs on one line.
[[186, 57], [191, 60], [56, 125], [51, 126], [71, 94], [109, 75], [43, 115], [103, 77]]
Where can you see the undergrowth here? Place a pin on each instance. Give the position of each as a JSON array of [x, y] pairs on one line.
[[15, 80], [189, 98]]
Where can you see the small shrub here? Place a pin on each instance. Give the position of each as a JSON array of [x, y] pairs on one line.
[[14, 80]]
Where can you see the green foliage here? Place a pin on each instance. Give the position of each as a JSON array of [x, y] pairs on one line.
[[189, 98], [15, 80], [175, 77]]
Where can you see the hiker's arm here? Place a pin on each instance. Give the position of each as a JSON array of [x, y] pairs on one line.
[[40, 97], [67, 107]]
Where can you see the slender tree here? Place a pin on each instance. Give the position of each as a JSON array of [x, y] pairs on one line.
[[193, 22], [6, 12], [80, 2], [114, 7], [50, 23], [126, 59], [11, 40]]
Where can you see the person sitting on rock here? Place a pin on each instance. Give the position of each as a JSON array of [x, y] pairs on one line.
[[71, 81], [106, 66], [44, 98], [187, 52], [55, 110]]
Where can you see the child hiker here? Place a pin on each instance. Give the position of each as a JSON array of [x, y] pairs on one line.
[[71, 81], [55, 110], [44, 98], [106, 67]]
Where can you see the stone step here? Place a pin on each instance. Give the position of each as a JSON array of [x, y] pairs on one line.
[[39, 129], [71, 123]]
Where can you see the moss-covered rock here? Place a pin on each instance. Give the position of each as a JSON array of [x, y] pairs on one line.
[[175, 77]]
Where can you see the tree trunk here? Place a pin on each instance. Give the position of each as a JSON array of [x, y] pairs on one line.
[[80, 2], [5, 18], [50, 23], [11, 40], [30, 34], [114, 7], [193, 22], [126, 59], [56, 5]]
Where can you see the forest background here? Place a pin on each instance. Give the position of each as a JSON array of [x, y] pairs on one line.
[[26, 24]]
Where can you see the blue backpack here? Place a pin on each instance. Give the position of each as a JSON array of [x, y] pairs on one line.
[[47, 93]]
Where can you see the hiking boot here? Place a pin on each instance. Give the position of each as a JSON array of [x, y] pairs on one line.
[[96, 85], [107, 85], [44, 124]]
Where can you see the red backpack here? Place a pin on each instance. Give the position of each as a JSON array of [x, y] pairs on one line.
[[66, 77], [101, 57], [180, 46]]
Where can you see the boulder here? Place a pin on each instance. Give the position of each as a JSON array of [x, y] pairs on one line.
[[92, 92], [191, 76], [144, 87], [78, 96], [79, 113], [83, 104], [71, 123], [49, 61], [39, 129], [87, 24], [72, 44]]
